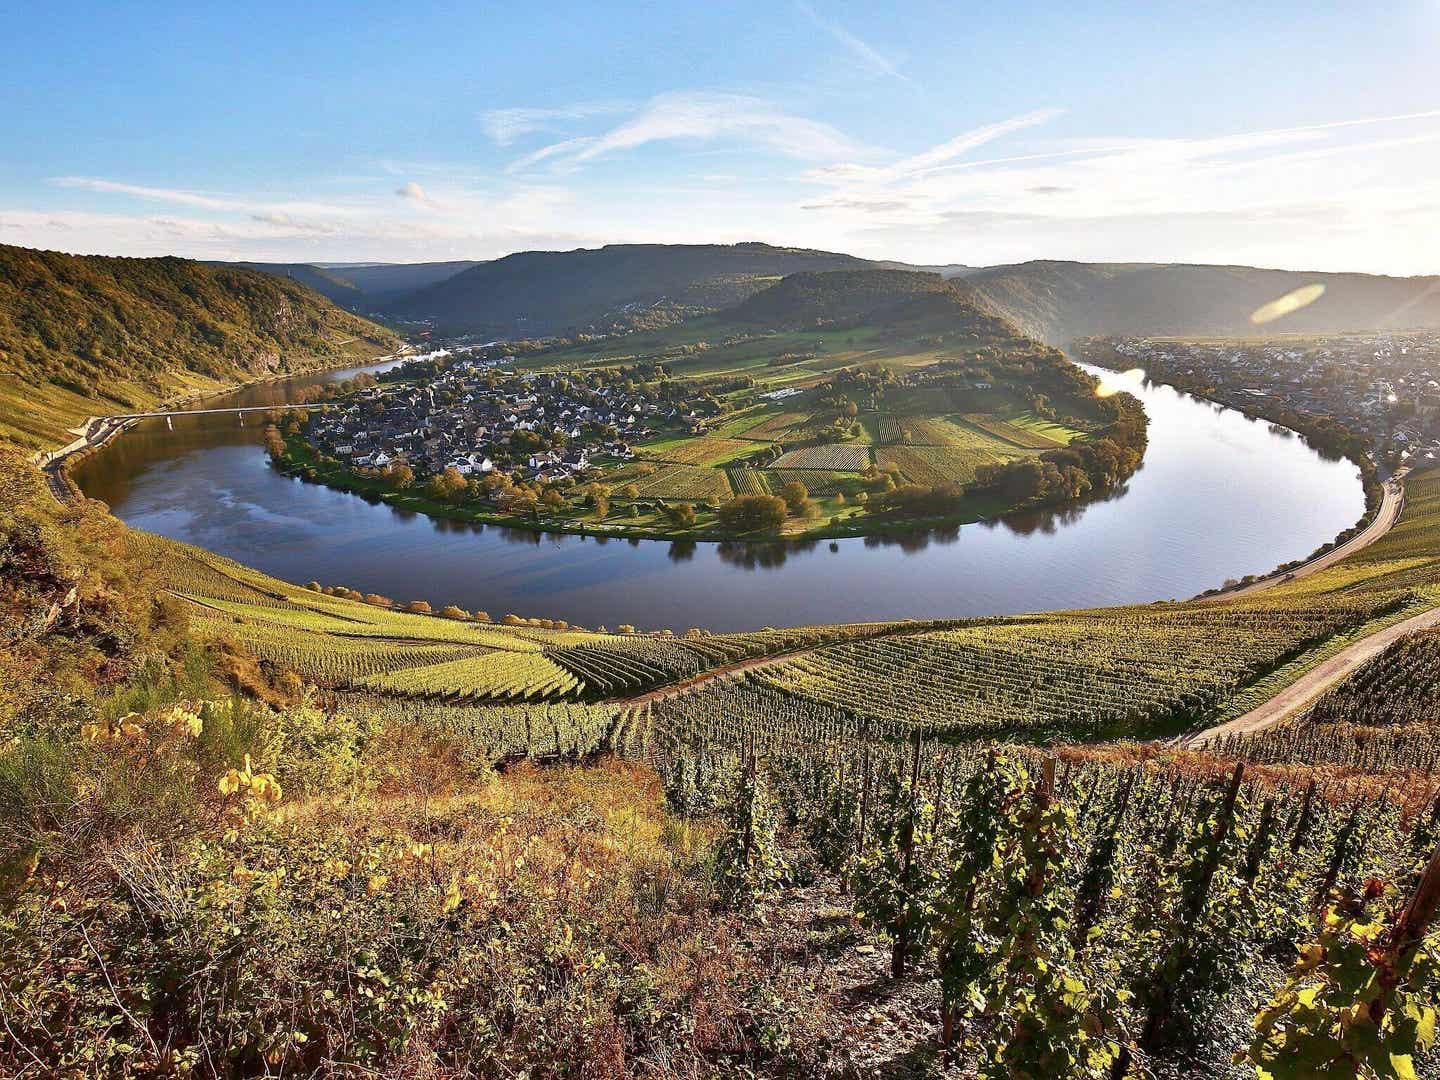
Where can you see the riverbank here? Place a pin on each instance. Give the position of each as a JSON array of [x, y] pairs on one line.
[[300, 462], [1391, 505], [1376, 493], [98, 431]]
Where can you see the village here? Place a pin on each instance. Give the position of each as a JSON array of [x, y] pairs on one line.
[[479, 416], [1382, 385]]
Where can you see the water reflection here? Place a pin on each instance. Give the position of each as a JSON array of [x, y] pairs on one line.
[[1219, 496]]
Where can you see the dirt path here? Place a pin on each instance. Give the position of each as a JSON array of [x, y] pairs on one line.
[[1392, 502], [1313, 683]]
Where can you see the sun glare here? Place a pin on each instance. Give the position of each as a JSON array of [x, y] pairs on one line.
[[1117, 381], [1288, 304]]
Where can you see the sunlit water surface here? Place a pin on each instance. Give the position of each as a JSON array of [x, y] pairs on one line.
[[1219, 496]]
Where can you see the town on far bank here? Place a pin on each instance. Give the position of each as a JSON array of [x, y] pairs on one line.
[[633, 448], [1378, 389]]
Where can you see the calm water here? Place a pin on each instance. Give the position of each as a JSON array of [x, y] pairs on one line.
[[1219, 496]]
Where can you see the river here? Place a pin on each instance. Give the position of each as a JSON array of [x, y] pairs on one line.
[[1219, 496]]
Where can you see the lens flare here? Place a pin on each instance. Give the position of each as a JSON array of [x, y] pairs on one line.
[[1113, 383], [1288, 304]]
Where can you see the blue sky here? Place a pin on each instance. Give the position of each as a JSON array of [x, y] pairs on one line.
[[1280, 134]]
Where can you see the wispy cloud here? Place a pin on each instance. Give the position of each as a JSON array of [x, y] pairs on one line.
[[936, 156], [177, 196], [1242, 196], [505, 126], [1099, 176], [203, 200], [857, 46], [704, 116]]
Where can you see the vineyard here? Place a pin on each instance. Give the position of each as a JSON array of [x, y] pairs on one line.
[[688, 482], [999, 889], [1161, 669], [1384, 717], [749, 481], [1015, 434], [775, 428], [821, 483], [843, 457], [939, 464], [705, 451], [1120, 913]]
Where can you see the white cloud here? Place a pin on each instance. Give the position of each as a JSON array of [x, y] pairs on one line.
[[413, 192], [936, 156], [202, 200], [505, 126], [139, 191], [1354, 193], [702, 116]]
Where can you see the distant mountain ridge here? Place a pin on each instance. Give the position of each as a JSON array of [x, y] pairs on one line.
[[547, 292], [1057, 302], [365, 287], [639, 286]]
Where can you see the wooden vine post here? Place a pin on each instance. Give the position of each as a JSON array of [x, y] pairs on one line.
[[1410, 930], [901, 948], [1193, 907]]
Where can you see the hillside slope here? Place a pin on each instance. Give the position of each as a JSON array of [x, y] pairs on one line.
[[86, 334], [1060, 301], [543, 292], [916, 300]]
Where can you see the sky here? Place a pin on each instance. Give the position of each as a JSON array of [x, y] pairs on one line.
[[1295, 135]]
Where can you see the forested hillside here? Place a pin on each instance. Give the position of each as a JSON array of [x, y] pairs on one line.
[[624, 285], [868, 296], [1060, 301], [84, 334]]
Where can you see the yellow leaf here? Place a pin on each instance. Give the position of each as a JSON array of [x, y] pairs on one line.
[[452, 897], [230, 783]]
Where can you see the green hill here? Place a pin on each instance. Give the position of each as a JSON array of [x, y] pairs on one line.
[[1060, 301], [869, 296], [620, 286], [84, 334]]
